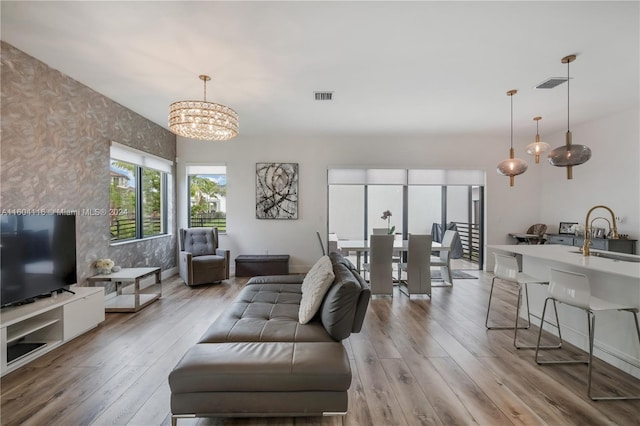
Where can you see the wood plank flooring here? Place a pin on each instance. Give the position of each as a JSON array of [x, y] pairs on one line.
[[416, 362]]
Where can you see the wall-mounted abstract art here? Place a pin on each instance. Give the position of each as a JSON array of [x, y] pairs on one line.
[[277, 190]]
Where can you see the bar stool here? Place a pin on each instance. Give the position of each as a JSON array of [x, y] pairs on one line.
[[506, 269], [574, 290]]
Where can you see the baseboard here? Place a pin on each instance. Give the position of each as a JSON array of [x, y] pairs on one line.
[[167, 273]]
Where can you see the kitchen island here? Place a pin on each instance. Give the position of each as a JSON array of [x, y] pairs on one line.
[[616, 280]]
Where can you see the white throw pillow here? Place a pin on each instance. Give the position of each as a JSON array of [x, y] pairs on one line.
[[323, 262], [314, 287]]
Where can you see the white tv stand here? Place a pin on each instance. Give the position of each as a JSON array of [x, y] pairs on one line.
[[30, 331]]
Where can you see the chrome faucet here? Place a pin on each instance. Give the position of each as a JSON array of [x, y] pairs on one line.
[[588, 229]]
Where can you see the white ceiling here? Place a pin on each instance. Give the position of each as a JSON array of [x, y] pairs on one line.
[[395, 67]]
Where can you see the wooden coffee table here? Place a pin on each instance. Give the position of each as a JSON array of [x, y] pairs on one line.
[[127, 301]]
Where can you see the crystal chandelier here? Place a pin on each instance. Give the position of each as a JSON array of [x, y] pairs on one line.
[[569, 155], [512, 167], [203, 120], [538, 147]]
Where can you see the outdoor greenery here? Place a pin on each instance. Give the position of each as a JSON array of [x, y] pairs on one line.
[[123, 202], [202, 190]]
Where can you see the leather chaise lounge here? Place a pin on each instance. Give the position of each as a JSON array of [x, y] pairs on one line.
[[256, 359]]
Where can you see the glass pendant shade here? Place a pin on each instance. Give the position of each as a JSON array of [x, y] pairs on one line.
[[203, 120], [538, 147], [569, 155], [512, 166]]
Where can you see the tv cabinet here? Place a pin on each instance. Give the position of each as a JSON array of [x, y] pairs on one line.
[[30, 331]]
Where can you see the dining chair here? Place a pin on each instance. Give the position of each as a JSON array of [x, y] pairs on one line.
[[444, 260], [380, 268], [396, 259], [418, 266], [507, 269], [573, 289]]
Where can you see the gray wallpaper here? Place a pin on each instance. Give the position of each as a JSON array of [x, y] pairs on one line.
[[55, 155]]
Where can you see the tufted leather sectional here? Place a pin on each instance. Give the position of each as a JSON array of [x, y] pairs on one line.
[[256, 359]]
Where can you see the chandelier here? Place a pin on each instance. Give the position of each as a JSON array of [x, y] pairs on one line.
[[512, 166], [203, 120]]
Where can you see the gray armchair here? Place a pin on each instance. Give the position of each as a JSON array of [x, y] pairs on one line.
[[201, 261]]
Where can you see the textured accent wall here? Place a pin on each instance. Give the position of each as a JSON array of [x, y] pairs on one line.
[[56, 134]]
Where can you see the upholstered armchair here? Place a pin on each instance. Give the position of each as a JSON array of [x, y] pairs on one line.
[[201, 261]]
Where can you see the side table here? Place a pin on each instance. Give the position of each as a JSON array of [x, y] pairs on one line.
[[129, 302]]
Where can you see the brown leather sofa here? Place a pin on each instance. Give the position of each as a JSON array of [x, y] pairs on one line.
[[256, 359]]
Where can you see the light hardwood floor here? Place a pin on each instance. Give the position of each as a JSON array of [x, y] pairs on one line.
[[416, 361]]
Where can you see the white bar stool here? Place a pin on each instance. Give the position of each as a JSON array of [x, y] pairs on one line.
[[506, 268], [574, 290]]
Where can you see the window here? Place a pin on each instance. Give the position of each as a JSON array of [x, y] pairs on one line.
[[208, 196], [138, 194], [419, 200]]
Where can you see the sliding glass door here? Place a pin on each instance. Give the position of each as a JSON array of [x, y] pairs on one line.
[[418, 200], [425, 208], [381, 198], [346, 211]]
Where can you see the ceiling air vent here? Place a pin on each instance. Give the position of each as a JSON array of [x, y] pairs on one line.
[[323, 96], [551, 82]]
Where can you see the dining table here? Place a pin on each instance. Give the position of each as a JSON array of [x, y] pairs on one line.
[[362, 246]]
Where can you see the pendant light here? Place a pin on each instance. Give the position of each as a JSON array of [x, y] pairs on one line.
[[569, 155], [537, 148], [512, 167]]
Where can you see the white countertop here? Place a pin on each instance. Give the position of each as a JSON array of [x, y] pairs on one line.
[[566, 254]]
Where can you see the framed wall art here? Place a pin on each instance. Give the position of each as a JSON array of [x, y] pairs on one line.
[[277, 190]]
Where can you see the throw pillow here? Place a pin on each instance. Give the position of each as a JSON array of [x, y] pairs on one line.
[[314, 270], [314, 287]]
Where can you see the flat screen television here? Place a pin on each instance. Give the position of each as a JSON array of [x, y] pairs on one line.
[[37, 256]]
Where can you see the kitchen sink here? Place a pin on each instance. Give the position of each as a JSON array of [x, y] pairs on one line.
[[612, 256]]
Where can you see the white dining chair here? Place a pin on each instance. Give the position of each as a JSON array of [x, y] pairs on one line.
[[418, 266], [380, 267], [573, 289], [444, 260], [506, 268], [396, 258]]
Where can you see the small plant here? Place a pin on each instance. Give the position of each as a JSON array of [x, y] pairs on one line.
[[387, 216]]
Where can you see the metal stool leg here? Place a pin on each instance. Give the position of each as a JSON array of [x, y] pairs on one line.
[[515, 334], [505, 327], [633, 312], [538, 347]]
